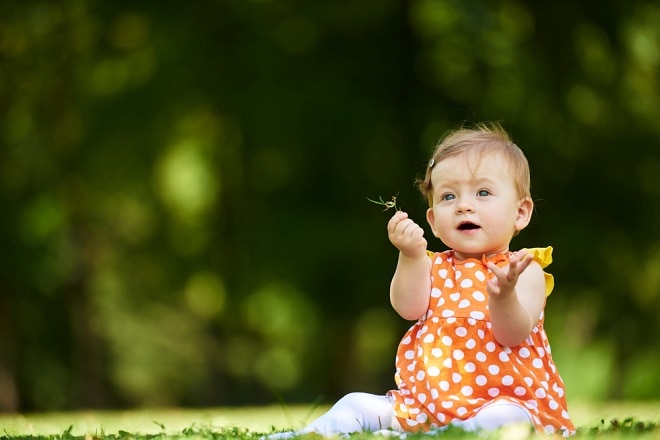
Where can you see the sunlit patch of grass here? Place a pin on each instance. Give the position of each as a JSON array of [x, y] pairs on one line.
[[253, 423]]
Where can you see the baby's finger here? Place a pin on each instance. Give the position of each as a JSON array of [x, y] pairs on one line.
[[396, 219]]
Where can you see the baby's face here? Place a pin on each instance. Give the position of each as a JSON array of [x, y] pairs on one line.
[[476, 208]]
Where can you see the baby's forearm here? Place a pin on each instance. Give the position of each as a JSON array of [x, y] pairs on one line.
[[411, 286], [511, 323]]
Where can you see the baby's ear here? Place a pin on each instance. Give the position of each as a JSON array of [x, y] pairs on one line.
[[524, 214], [430, 218]]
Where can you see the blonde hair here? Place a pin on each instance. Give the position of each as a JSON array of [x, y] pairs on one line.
[[485, 137]]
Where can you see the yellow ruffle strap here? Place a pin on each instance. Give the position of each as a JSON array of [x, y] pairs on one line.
[[543, 256]]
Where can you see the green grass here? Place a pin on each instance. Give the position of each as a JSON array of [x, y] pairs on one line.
[[594, 420]]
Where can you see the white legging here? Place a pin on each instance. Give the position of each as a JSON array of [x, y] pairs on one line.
[[358, 412]]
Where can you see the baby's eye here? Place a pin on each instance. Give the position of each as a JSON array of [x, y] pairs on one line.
[[483, 193], [448, 197]]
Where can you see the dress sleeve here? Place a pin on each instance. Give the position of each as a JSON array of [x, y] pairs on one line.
[[543, 256]]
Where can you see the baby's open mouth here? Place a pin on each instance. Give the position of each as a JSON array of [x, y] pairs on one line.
[[468, 226]]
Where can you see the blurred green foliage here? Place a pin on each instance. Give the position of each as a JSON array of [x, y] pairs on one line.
[[183, 188]]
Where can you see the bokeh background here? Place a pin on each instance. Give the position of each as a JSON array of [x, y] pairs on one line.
[[183, 188]]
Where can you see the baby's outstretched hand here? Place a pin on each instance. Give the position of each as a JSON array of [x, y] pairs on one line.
[[504, 282], [406, 235]]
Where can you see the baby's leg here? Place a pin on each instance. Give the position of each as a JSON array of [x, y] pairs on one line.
[[354, 412], [496, 415]]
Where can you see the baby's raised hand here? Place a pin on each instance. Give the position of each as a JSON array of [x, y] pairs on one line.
[[406, 235], [504, 282]]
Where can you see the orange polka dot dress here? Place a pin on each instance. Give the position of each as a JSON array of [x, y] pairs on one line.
[[449, 365]]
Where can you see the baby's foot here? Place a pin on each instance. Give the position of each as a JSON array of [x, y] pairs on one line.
[[281, 435]]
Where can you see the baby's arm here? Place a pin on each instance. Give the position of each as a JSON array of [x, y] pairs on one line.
[[516, 298], [411, 284]]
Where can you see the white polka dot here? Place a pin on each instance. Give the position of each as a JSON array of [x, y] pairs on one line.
[[529, 381], [458, 354], [477, 315], [434, 393], [504, 357], [466, 283], [481, 334], [412, 366], [447, 340], [421, 397], [444, 385], [436, 352], [442, 273], [493, 392], [449, 283], [441, 301], [538, 363], [456, 378], [540, 351], [491, 346], [433, 371], [458, 274], [447, 363], [524, 352], [451, 320], [493, 369], [431, 407], [429, 338], [480, 275], [447, 404], [553, 404], [435, 292], [421, 418], [461, 331], [532, 404], [447, 313], [407, 340], [481, 380], [470, 367], [411, 422], [409, 354], [471, 343], [549, 429], [441, 417], [421, 375], [467, 391], [481, 357], [519, 391], [464, 304], [564, 414], [478, 296], [461, 411], [507, 380], [540, 393], [454, 296], [470, 264], [409, 401]]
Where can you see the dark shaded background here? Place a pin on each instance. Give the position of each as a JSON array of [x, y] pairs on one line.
[[183, 188]]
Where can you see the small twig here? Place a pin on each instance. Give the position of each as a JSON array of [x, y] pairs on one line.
[[388, 205]]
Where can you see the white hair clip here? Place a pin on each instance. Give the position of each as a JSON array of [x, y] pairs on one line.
[[431, 163]]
